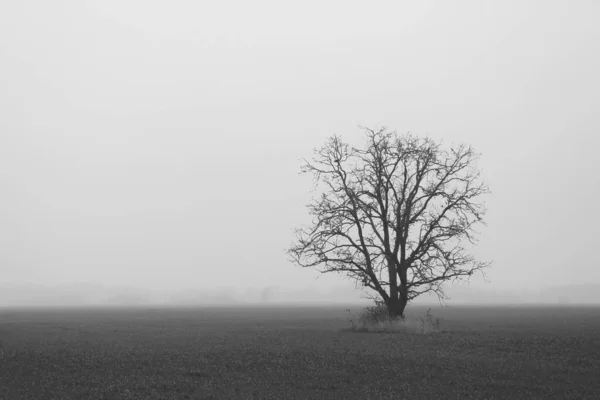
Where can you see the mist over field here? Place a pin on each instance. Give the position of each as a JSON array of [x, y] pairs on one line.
[[89, 294], [149, 151]]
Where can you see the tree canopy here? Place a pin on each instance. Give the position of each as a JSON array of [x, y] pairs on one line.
[[394, 215]]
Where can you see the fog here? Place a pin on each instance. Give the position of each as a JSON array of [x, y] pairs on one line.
[[151, 149]]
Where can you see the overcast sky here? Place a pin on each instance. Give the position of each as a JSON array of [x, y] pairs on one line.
[[157, 143]]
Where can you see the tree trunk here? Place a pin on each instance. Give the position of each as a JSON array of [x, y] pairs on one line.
[[396, 307], [397, 304]]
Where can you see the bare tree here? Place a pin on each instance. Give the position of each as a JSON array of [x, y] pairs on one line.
[[394, 216]]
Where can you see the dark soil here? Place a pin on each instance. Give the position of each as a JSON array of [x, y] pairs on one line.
[[297, 353]]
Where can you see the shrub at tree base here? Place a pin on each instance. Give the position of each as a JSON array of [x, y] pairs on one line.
[[378, 319]]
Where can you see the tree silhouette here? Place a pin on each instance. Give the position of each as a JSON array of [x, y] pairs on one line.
[[394, 215]]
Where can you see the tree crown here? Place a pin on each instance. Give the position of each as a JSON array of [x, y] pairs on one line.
[[393, 215]]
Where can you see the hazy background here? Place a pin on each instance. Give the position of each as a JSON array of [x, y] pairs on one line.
[[149, 150]]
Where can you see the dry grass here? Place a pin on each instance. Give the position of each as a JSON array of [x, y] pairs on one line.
[[297, 353], [376, 319]]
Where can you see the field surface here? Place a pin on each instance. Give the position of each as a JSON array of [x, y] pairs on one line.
[[297, 353]]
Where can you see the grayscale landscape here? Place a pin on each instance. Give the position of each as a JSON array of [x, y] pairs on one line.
[[330, 199]]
